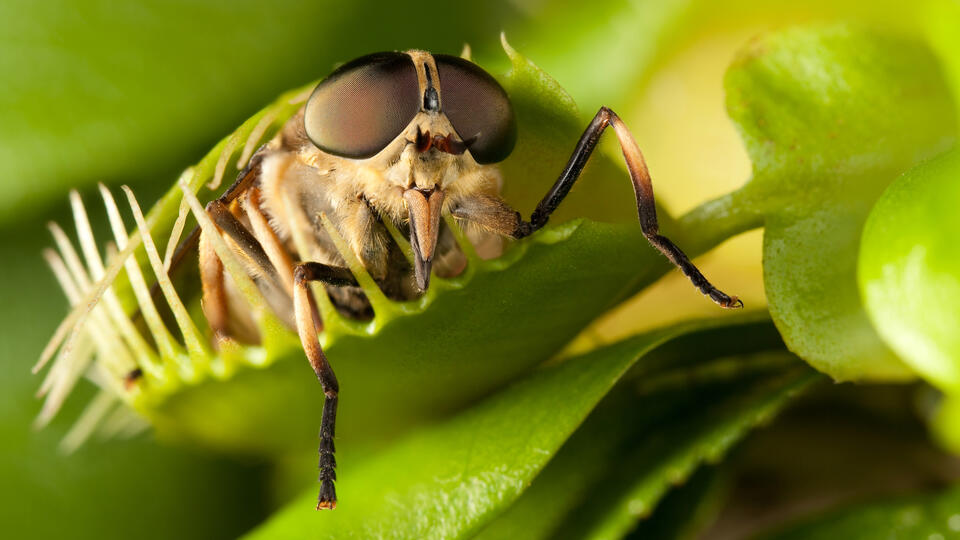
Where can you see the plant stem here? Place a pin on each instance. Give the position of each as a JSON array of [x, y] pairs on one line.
[[708, 225]]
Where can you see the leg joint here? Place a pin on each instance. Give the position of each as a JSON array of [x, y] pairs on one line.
[[526, 228], [300, 274], [331, 275], [328, 381]]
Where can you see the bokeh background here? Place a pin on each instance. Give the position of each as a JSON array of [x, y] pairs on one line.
[[133, 92]]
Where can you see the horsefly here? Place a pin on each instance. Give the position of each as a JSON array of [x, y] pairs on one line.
[[381, 150]]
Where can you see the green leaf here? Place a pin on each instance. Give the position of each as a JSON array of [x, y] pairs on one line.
[[909, 275], [930, 516], [830, 116], [910, 269], [615, 469], [702, 430], [687, 510], [449, 479]]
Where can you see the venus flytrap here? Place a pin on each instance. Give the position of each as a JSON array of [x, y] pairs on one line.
[[826, 132], [130, 287], [176, 397]]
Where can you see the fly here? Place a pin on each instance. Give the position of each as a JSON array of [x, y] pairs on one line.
[[391, 141]]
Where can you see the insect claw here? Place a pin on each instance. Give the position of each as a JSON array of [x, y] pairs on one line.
[[732, 303], [328, 496], [131, 378]]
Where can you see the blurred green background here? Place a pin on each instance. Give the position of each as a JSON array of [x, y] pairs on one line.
[[133, 92]]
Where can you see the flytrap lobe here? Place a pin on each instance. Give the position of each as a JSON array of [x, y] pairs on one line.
[[135, 336], [130, 331]]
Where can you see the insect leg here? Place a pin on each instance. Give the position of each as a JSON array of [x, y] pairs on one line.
[[307, 325], [214, 304], [643, 189], [252, 249], [245, 179], [249, 247], [211, 268], [260, 225]]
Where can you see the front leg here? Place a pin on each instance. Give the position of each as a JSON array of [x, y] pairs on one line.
[[495, 215], [307, 327]]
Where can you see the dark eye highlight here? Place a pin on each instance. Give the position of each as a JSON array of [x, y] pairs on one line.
[[478, 108], [363, 105]]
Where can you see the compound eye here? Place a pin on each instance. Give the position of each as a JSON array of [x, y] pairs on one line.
[[363, 105], [478, 108]]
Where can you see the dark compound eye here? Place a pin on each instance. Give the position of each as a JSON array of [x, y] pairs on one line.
[[478, 108], [363, 105]]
